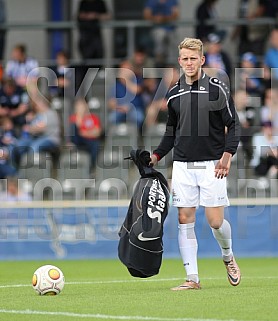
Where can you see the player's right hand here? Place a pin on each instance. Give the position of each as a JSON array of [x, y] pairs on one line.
[[222, 167], [153, 161]]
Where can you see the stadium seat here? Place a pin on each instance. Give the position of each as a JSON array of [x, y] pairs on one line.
[[119, 141], [112, 189], [124, 136], [151, 139], [35, 167], [47, 189], [111, 164], [74, 167]]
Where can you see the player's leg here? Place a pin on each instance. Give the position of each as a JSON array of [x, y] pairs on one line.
[[188, 246], [221, 230], [213, 196], [186, 198]]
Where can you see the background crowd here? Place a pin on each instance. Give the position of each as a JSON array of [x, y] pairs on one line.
[[64, 119]]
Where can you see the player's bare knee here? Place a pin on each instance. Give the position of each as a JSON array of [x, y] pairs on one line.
[[216, 224], [184, 219], [186, 215]]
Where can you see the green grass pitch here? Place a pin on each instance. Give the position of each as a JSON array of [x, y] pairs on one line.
[[104, 290]]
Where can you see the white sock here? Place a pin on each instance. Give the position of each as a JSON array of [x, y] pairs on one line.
[[223, 235], [188, 248]]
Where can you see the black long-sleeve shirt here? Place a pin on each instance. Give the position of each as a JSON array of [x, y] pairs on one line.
[[198, 116]]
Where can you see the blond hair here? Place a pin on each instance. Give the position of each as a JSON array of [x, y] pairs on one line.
[[192, 44]]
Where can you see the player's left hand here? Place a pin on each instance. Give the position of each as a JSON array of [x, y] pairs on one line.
[[222, 167]]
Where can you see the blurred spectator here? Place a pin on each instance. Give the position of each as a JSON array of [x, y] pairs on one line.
[[43, 131], [90, 14], [270, 8], [86, 129], [142, 64], [8, 136], [248, 122], [64, 74], [20, 67], [162, 13], [125, 100], [145, 71], [7, 142], [265, 157], [6, 167], [217, 60], [157, 110], [271, 59], [248, 77], [149, 90], [269, 111], [252, 37], [264, 8], [63, 92], [13, 193], [3, 19], [14, 102], [205, 11]]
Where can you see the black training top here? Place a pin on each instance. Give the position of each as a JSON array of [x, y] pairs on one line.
[[202, 121]]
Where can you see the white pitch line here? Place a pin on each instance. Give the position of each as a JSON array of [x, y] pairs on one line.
[[96, 282], [14, 286], [136, 281], [104, 316]]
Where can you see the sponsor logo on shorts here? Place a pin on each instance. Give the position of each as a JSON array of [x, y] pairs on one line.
[[176, 199]]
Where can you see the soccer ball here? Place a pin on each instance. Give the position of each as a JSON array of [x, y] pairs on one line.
[[48, 280]]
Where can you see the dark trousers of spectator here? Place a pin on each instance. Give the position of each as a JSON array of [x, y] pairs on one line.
[[2, 44], [90, 44], [31, 145], [265, 164], [90, 47], [7, 170], [89, 145]]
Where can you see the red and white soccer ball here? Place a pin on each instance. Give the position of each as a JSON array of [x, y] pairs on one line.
[[48, 280]]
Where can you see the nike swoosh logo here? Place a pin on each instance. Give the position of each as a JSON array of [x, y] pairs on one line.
[[232, 278], [145, 239]]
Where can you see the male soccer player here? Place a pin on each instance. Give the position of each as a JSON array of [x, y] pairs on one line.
[[203, 129]]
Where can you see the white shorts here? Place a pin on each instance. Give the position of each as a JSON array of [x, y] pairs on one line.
[[194, 184]]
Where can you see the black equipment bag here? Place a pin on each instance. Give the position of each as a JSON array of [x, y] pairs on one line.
[[140, 246]]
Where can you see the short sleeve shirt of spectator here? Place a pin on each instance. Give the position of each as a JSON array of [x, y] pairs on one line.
[[162, 8], [88, 123], [125, 97], [15, 69]]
